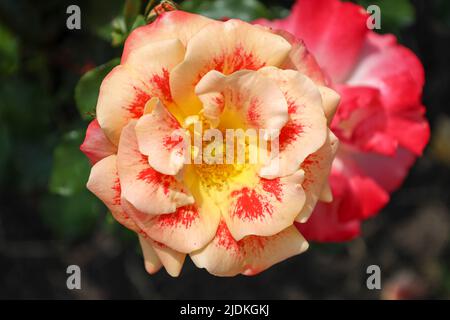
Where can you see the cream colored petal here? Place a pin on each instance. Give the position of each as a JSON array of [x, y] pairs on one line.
[[326, 194], [161, 138], [189, 228], [122, 97], [225, 256], [244, 99], [145, 188], [264, 208], [104, 183], [153, 63], [330, 102], [226, 47], [300, 59], [170, 25], [317, 168], [151, 261], [172, 260], [305, 131]]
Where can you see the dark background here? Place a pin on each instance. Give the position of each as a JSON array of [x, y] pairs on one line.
[[49, 221]]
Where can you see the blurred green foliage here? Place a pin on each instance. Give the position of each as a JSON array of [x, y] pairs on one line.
[[8, 51], [87, 89], [246, 10], [118, 29], [70, 166]]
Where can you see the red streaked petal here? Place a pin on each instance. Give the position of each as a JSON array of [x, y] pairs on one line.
[[161, 138], [122, 98], [104, 183], [145, 188], [266, 208], [225, 256], [236, 46]]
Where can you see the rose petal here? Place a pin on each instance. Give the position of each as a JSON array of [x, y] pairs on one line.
[[224, 256], [306, 130], [324, 225], [96, 146], [317, 167], [301, 59], [151, 260], [333, 31], [169, 25], [189, 228], [153, 63], [399, 76], [236, 46], [122, 97], [145, 188], [263, 208], [171, 260], [161, 138], [244, 94], [104, 183]]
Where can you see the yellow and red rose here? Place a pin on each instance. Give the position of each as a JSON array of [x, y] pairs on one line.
[[186, 69]]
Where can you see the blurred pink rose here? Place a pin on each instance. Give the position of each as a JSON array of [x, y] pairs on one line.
[[380, 120]]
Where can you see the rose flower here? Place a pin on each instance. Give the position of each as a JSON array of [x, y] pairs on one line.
[[183, 71], [380, 120]]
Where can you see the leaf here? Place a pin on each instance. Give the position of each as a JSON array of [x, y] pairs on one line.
[[111, 226], [8, 52], [86, 91], [71, 218], [247, 10], [131, 10], [118, 29], [70, 167], [139, 22]]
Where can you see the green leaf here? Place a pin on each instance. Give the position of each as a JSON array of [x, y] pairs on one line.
[[71, 218], [111, 226], [395, 15], [70, 167], [118, 29], [8, 52], [247, 10], [131, 10], [86, 91], [138, 22]]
